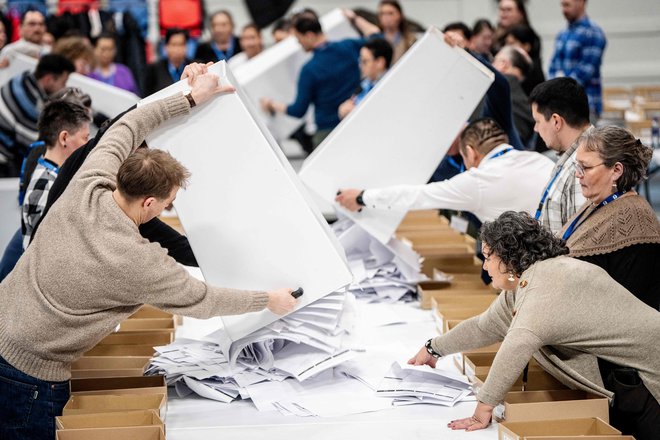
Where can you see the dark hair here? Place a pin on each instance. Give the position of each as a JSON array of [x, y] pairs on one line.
[[150, 173], [616, 144], [105, 35], [282, 25], [251, 26], [517, 59], [222, 12], [29, 10], [176, 31], [563, 96], [519, 241], [72, 94], [526, 35], [459, 26], [480, 25], [483, 135], [53, 64], [58, 116], [403, 25], [380, 47], [520, 5], [305, 22]]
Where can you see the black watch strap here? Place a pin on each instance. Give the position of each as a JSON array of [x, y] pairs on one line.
[[430, 349], [359, 199]]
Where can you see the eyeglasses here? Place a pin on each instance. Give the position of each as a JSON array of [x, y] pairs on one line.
[[581, 170]]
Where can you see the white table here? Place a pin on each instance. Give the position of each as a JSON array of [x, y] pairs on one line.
[[193, 418]]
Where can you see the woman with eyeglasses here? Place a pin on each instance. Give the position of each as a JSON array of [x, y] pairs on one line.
[[616, 228]]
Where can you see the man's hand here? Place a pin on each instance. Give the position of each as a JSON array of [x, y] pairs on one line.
[[281, 302], [345, 108], [348, 199], [193, 70], [206, 85], [423, 357], [480, 420]]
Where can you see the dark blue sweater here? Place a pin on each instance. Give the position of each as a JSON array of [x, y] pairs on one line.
[[327, 80]]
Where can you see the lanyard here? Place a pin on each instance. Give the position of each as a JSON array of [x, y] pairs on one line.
[[501, 153], [574, 225], [454, 164], [221, 55], [48, 165], [174, 72], [547, 193]]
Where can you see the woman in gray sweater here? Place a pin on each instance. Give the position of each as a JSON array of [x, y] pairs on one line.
[[566, 314]]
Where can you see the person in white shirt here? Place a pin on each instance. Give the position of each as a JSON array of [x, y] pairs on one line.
[[32, 30], [498, 179]]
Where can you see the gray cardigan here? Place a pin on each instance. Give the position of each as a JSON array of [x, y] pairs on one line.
[[565, 313]]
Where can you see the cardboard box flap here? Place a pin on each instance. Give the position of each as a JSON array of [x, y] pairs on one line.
[[557, 428], [114, 384], [83, 404], [131, 433]]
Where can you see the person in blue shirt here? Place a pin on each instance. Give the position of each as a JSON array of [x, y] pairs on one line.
[[375, 60], [579, 53], [325, 81]]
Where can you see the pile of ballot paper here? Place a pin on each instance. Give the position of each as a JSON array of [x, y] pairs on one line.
[[381, 272], [299, 346]]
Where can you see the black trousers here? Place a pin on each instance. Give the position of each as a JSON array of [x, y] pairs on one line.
[[634, 410]]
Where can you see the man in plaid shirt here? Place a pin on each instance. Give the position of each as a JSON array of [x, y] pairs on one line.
[[579, 52], [560, 109], [64, 127]]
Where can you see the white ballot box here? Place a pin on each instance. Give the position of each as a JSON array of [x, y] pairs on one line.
[[10, 211], [402, 129], [274, 73], [245, 211]]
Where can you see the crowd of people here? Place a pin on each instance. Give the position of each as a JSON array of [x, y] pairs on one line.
[[563, 232]]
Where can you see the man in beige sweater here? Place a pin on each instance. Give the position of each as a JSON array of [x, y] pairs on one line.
[[89, 268]]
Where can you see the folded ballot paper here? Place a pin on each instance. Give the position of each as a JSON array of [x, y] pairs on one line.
[[299, 346], [381, 272], [401, 131], [409, 385], [245, 212]]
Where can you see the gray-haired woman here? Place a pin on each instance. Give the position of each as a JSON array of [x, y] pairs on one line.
[[566, 314], [616, 229]]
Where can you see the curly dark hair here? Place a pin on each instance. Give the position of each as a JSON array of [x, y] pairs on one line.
[[520, 241]]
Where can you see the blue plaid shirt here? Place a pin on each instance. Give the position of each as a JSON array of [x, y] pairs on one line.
[[578, 54]]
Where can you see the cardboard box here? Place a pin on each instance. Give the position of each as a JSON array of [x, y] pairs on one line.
[[119, 385], [455, 313], [147, 417], [150, 312], [537, 380], [492, 349], [521, 406], [109, 366], [480, 363], [130, 433], [91, 404], [567, 429], [464, 264], [147, 324], [427, 295], [122, 350], [153, 338]]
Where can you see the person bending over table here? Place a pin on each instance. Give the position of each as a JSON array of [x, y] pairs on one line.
[[566, 314], [89, 268]]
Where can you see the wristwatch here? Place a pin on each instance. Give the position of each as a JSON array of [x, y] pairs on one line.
[[190, 99], [430, 349], [359, 200]]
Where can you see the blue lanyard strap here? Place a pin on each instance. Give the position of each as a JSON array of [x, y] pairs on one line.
[[501, 153], [576, 223], [454, 164], [223, 55], [48, 165], [546, 194]]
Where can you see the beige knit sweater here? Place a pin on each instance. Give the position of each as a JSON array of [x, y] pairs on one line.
[[89, 268], [567, 313]]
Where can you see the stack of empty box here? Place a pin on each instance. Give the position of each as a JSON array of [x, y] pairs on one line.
[[110, 396]]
